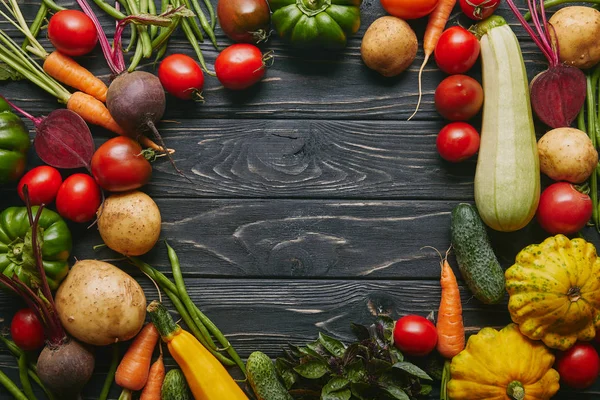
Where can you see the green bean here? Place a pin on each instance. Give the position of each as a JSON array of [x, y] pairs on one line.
[[137, 56], [195, 28], [145, 42], [591, 130], [36, 24], [110, 10], [553, 3], [161, 52], [190, 36], [24, 377], [211, 13], [11, 387], [152, 10], [204, 23], [162, 38], [53, 6], [133, 39], [110, 376]]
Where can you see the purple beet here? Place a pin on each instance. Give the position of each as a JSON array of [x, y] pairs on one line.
[[558, 93]]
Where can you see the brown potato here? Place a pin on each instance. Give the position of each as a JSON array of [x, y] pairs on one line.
[[99, 304], [577, 29], [389, 46], [567, 154], [129, 223]]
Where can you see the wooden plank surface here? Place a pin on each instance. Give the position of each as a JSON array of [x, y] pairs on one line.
[[312, 197]]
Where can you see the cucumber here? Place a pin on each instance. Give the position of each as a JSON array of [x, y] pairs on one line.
[[175, 386], [263, 378], [507, 176], [477, 262]]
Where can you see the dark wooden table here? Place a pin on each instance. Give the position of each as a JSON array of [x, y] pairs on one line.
[[312, 200]]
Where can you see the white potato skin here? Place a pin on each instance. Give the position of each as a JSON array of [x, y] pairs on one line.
[[567, 154], [99, 304], [577, 30], [389, 46], [129, 223]]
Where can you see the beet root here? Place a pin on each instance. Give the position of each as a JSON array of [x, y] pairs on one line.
[[136, 100], [65, 369], [558, 94]]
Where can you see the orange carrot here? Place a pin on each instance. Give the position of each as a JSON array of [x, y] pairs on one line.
[[132, 372], [435, 26], [155, 380], [66, 70], [450, 328]]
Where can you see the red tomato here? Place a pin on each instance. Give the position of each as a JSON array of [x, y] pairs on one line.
[[479, 9], [457, 141], [78, 198], [415, 335], [409, 9], [72, 32], [42, 184], [240, 66], [579, 366], [458, 97], [456, 50], [563, 209], [181, 76], [26, 330], [119, 165]]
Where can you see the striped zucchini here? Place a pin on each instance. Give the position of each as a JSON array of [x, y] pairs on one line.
[[507, 178]]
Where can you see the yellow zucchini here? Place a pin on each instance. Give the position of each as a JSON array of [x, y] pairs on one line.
[[507, 178]]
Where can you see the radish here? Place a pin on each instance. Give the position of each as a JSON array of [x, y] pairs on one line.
[[64, 365], [558, 93], [136, 100]]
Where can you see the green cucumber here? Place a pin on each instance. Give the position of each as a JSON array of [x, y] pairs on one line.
[[175, 386], [477, 262], [263, 378]]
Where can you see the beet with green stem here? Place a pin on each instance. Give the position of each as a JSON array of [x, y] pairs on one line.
[[558, 93]]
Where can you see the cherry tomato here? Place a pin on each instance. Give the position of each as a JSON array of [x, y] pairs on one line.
[[563, 209], [409, 9], [457, 141], [26, 330], [119, 165], [415, 335], [458, 97], [240, 66], [479, 9], [579, 366], [72, 33], [245, 21], [78, 198], [42, 184], [181, 76], [456, 50]]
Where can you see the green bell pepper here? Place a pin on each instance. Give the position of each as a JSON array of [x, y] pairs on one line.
[[316, 23], [14, 143], [16, 250]]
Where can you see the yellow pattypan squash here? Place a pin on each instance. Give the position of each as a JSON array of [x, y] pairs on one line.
[[554, 290], [502, 365]]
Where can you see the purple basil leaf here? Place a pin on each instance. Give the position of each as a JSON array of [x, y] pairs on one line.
[[63, 140]]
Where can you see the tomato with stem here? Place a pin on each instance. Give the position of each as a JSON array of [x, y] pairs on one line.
[[72, 32], [563, 209], [78, 198], [457, 50], [579, 366], [409, 9], [457, 141], [458, 98], [479, 9], [27, 331], [415, 335], [182, 77], [240, 66], [42, 183], [245, 21]]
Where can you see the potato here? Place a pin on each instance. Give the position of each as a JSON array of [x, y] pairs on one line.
[[577, 30], [129, 223], [389, 46], [99, 304], [567, 154]]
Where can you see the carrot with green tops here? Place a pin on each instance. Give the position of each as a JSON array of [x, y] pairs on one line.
[[133, 371], [155, 381], [450, 328], [435, 26]]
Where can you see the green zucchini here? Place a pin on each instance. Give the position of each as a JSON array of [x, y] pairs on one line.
[[507, 177], [477, 262], [263, 378], [175, 386]]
